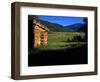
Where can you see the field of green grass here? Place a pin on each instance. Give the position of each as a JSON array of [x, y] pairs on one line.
[[59, 40], [59, 51]]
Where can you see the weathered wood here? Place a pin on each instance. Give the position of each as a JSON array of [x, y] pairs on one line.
[[40, 34]]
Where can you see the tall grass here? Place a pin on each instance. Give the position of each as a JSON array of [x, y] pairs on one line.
[[59, 40]]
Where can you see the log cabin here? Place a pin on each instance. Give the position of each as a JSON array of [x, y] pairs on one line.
[[40, 34], [37, 34]]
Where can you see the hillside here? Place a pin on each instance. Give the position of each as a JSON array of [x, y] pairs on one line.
[[75, 27], [54, 27], [59, 28]]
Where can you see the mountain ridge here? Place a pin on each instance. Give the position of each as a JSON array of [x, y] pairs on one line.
[[53, 27]]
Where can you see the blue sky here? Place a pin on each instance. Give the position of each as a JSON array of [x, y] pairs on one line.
[[63, 20]]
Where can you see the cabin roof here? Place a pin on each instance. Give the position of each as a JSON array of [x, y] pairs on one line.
[[40, 25]]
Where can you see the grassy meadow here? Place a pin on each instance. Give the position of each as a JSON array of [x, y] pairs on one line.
[[61, 40], [63, 48]]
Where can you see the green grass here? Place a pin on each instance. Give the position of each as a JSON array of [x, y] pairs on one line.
[[58, 40]]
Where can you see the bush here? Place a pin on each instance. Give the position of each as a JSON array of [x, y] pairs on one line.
[[76, 38]]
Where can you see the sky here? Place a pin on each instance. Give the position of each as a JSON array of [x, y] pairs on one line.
[[62, 20]]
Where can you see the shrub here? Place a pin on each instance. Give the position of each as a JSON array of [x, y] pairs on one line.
[[76, 38]]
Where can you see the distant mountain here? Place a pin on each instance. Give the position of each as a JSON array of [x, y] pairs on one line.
[[53, 27], [59, 28], [75, 27]]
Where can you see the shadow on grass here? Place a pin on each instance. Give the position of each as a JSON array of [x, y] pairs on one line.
[[76, 55]]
